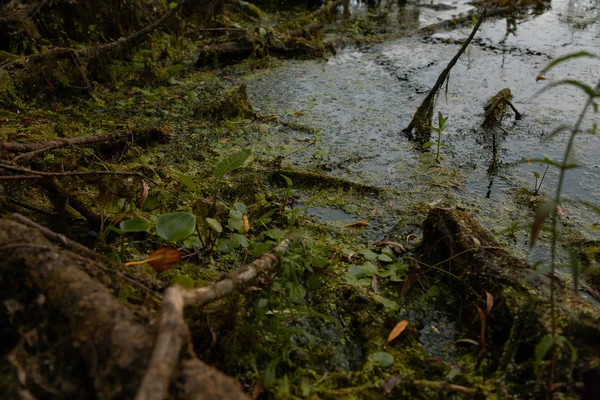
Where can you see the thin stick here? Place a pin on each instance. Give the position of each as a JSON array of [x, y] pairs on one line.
[[41, 174], [173, 331], [422, 116]]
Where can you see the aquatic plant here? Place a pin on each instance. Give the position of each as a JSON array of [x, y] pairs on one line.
[[553, 342], [438, 129]]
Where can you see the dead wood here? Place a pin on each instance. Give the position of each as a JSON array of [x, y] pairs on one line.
[[33, 149], [273, 43], [39, 67], [520, 316], [173, 332], [101, 347], [422, 119]]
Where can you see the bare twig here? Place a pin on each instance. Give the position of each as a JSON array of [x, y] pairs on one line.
[[41, 174], [421, 120], [173, 331]]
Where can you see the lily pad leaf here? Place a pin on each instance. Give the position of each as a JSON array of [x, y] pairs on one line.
[[175, 226]]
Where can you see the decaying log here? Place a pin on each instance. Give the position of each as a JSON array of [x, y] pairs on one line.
[[224, 53], [102, 347], [520, 316]]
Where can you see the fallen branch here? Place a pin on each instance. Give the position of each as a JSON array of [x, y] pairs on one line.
[[32, 149], [422, 119], [42, 174], [173, 331]]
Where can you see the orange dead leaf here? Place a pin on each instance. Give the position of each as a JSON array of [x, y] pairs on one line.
[[259, 388], [432, 170], [358, 224], [246, 223], [540, 78], [489, 302], [161, 260], [398, 329]]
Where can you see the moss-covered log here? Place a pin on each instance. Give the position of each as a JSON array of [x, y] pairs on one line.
[[520, 316]]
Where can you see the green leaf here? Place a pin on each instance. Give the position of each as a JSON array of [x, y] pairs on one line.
[[536, 174], [288, 180], [231, 163], [184, 281], [214, 225], [262, 302], [242, 240], [228, 245], [235, 214], [260, 248], [191, 242], [387, 303], [563, 340], [570, 82], [236, 225], [241, 207], [368, 254], [187, 181], [175, 226], [135, 225], [297, 292], [270, 374], [384, 258], [541, 349], [566, 57], [383, 359], [172, 5], [427, 145], [360, 271]]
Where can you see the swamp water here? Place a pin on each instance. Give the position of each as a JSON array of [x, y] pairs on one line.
[[359, 100]]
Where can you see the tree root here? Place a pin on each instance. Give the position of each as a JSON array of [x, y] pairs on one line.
[[173, 333], [105, 349]]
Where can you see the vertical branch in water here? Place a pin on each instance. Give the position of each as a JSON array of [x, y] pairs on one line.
[[421, 121]]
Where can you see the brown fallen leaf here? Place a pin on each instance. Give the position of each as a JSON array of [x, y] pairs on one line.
[[388, 243], [540, 78], [398, 329], [144, 195], [259, 388], [358, 224], [391, 383], [489, 302], [246, 223], [432, 170], [374, 284], [161, 260]]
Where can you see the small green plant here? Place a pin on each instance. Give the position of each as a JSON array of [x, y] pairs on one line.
[[553, 342], [439, 129], [129, 226]]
